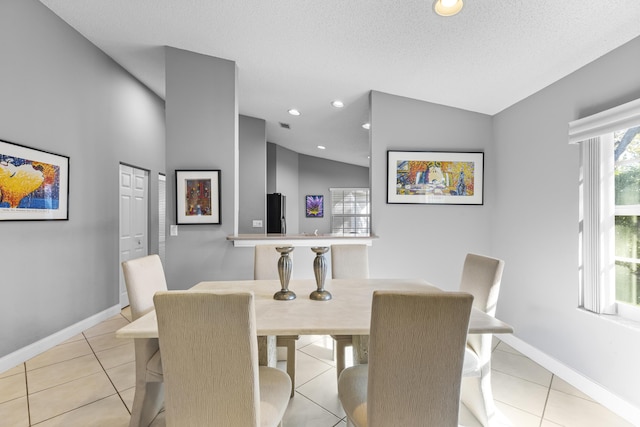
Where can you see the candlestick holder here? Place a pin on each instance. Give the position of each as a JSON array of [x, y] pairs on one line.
[[285, 266], [320, 271]]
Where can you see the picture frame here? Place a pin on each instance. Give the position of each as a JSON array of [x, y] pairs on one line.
[[198, 196], [435, 177], [314, 206], [34, 184]]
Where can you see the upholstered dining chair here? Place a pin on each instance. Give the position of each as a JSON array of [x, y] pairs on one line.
[[144, 277], [481, 277], [209, 384], [265, 267], [348, 262], [416, 352]]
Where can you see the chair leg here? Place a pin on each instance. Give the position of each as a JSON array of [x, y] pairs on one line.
[[267, 354], [360, 349], [147, 402], [290, 343], [477, 395], [149, 396]]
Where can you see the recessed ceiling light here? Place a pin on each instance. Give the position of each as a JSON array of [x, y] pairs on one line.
[[337, 103], [366, 126], [294, 112], [447, 7], [322, 147]]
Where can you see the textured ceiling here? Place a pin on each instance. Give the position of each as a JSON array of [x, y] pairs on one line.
[[304, 54]]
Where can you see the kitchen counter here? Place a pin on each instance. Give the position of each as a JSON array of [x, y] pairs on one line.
[[251, 240]]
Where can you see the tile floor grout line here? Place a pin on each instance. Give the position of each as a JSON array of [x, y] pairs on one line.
[[107, 374], [546, 401], [518, 408], [520, 378], [81, 406], [70, 410], [105, 371], [26, 387], [320, 406]]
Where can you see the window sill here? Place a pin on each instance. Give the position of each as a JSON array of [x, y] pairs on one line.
[[615, 318]]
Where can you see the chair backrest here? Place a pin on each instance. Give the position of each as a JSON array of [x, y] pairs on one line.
[[481, 277], [210, 358], [416, 353], [144, 277], [265, 262], [349, 262]]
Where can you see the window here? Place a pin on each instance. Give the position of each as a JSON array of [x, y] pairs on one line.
[[610, 210], [626, 152], [350, 211]]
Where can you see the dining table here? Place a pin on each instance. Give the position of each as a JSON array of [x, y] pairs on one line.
[[348, 312]]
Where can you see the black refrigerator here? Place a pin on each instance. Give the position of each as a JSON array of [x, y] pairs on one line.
[[276, 213]]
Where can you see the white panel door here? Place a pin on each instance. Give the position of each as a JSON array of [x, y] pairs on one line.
[[133, 220]]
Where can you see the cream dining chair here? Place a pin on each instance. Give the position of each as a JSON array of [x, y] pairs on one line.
[[214, 384], [481, 277], [416, 352], [349, 262], [265, 267], [144, 277]]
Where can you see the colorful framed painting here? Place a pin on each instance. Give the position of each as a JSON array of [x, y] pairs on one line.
[[314, 206], [435, 177], [198, 196], [34, 184]]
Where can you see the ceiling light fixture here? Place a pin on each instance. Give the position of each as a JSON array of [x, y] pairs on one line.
[[337, 104], [294, 112], [366, 126], [447, 7], [322, 147]]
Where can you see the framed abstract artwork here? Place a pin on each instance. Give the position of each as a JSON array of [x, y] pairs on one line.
[[314, 206], [198, 196], [435, 177], [34, 184]]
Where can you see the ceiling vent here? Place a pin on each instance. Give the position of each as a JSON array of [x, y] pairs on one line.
[[285, 125]]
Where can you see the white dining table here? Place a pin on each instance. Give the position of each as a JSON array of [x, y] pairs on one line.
[[347, 313]]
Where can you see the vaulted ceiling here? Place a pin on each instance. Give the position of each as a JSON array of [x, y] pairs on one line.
[[305, 54]]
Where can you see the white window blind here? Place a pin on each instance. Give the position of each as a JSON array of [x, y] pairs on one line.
[[597, 205]]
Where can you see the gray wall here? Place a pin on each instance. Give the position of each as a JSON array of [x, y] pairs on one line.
[[60, 94], [316, 176], [536, 223], [284, 179], [202, 133], [427, 241], [253, 173], [272, 167]]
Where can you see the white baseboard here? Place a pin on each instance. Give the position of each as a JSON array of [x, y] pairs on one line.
[[25, 353], [594, 390]]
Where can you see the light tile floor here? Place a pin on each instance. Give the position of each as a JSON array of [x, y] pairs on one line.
[[88, 381]]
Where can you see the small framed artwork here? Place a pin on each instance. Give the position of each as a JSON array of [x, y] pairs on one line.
[[198, 196], [435, 177], [34, 184], [314, 206]]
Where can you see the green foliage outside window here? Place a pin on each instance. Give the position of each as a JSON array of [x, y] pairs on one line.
[[627, 231]]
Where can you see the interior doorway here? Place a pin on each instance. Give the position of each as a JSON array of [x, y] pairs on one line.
[[134, 219]]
